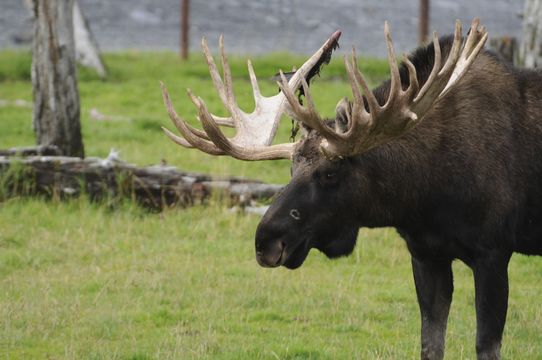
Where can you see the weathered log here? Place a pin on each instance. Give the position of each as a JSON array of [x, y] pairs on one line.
[[109, 179]]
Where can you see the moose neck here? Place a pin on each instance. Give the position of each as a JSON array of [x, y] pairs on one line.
[[397, 176]]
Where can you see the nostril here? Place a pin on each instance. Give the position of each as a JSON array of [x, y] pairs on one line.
[[272, 254]]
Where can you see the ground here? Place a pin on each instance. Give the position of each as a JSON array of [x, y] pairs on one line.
[[82, 280]]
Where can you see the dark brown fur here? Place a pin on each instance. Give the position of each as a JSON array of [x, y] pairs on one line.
[[466, 183]]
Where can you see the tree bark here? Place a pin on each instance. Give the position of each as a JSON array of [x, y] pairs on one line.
[[56, 97], [531, 47], [87, 52], [86, 46]]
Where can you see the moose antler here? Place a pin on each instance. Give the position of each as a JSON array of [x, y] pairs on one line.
[[254, 131], [403, 108]]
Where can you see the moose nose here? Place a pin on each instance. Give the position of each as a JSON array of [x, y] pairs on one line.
[[271, 255]]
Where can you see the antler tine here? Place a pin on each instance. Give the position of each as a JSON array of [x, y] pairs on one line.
[[359, 115], [223, 121], [358, 97], [471, 36], [212, 130], [434, 71], [455, 51], [186, 130], [228, 84], [413, 86], [307, 115], [211, 150], [394, 70], [223, 88], [218, 84], [360, 79], [213, 71], [254, 82]]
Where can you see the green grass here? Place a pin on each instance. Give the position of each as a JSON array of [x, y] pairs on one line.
[[81, 281]]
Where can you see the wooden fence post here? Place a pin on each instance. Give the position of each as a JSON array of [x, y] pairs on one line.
[[185, 14], [423, 29]]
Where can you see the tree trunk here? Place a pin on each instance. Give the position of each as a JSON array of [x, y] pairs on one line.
[[87, 52], [54, 79], [86, 46], [531, 47]]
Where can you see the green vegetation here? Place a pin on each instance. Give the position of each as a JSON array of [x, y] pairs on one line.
[[82, 281]]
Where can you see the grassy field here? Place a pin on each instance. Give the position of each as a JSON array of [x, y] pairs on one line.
[[81, 281]]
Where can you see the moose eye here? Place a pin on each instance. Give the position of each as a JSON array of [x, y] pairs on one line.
[[329, 177]]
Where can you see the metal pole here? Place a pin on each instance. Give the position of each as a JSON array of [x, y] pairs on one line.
[[423, 30], [185, 10]]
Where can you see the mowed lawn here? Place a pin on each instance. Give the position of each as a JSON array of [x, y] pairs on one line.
[[80, 280]]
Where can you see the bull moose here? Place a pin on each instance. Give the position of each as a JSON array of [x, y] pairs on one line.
[[448, 152]]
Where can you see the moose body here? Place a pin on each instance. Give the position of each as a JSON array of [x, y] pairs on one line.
[[464, 183]]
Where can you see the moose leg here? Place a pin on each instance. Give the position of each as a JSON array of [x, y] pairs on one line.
[[434, 287], [491, 287]]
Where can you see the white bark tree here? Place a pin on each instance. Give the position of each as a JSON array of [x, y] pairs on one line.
[[54, 79], [86, 47], [531, 47], [87, 52]]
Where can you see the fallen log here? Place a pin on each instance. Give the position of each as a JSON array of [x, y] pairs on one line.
[[110, 179]]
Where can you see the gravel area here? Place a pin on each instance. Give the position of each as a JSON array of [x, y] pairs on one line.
[[258, 26]]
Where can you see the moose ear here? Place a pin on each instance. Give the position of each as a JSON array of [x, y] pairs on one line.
[[342, 115]]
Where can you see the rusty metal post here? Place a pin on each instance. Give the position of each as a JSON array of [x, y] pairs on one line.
[[185, 10], [423, 30]]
